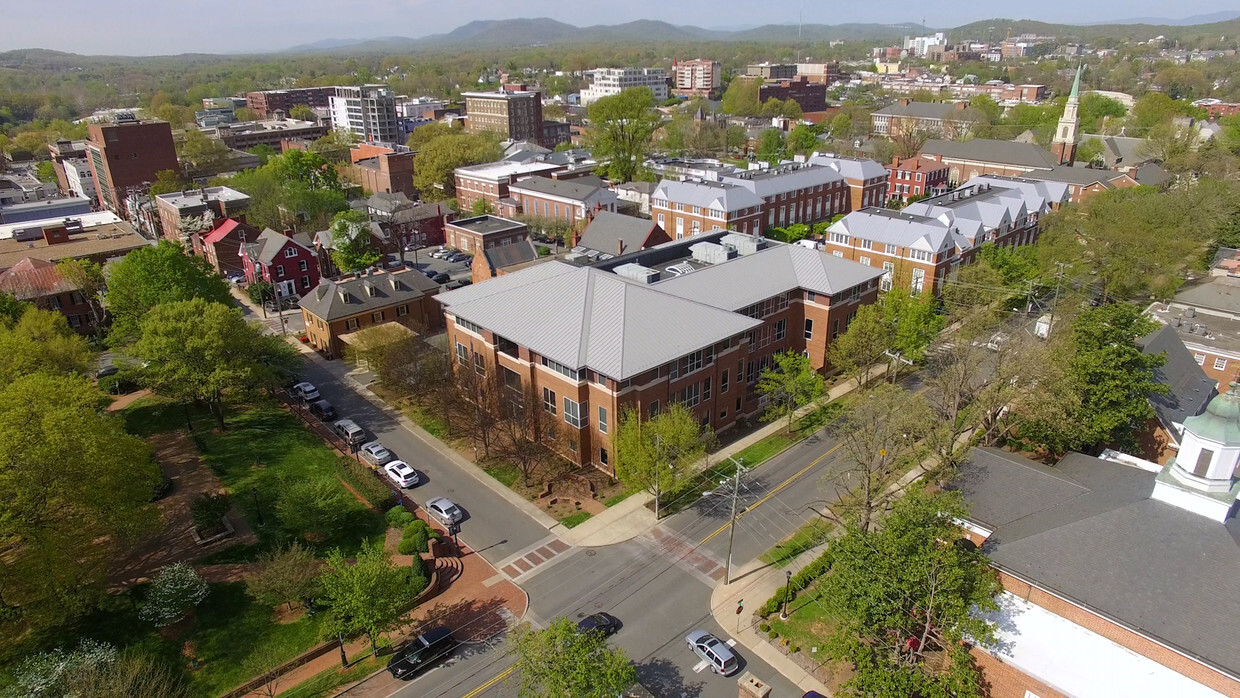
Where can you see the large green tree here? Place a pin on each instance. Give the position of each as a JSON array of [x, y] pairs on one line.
[[370, 595], [87, 277], [205, 154], [40, 341], [771, 146], [658, 453], [207, 352], [561, 662], [352, 248], [439, 157], [621, 132], [789, 384], [905, 601], [55, 436], [741, 97], [150, 276]]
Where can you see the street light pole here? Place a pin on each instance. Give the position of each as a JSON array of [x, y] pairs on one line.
[[736, 490], [257, 508], [783, 615]]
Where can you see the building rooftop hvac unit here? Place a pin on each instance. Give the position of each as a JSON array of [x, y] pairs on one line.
[[743, 244], [637, 272], [711, 253]]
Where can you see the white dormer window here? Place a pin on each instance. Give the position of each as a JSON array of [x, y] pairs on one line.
[[290, 252]]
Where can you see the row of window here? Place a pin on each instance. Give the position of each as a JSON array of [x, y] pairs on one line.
[[376, 317], [575, 413], [766, 308], [1219, 363]]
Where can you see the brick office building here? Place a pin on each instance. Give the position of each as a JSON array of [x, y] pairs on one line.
[[692, 207], [699, 77], [812, 96], [693, 322], [794, 193], [380, 169], [567, 200], [480, 232], [222, 202], [915, 176], [980, 156], [923, 244], [274, 133], [267, 102], [333, 310], [867, 180], [128, 154], [490, 181], [515, 114]]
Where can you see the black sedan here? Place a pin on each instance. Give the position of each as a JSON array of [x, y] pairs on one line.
[[421, 653], [604, 623]]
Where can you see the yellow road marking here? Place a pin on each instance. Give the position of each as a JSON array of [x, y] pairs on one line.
[[503, 675], [774, 492]]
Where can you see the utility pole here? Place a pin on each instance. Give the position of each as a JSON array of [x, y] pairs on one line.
[[1055, 301], [736, 490]]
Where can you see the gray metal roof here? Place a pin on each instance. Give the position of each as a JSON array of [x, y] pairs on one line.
[[566, 188], [1012, 153], [850, 167], [896, 228], [508, 255], [487, 224], [769, 272], [1087, 529], [1033, 189], [608, 230], [1190, 387], [268, 245], [709, 195], [1080, 176], [783, 178], [585, 317], [921, 110], [366, 293]]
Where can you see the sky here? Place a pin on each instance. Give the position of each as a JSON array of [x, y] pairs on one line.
[[158, 27]]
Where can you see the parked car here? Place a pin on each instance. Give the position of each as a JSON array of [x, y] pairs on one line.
[[350, 432], [306, 392], [323, 410], [235, 277], [441, 278], [105, 371], [459, 257], [443, 252], [422, 652], [459, 283], [429, 273], [402, 473], [444, 511], [599, 623], [376, 454], [717, 654]]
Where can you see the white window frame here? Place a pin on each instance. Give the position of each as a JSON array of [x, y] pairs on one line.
[[572, 414], [549, 401], [1220, 363], [602, 419]]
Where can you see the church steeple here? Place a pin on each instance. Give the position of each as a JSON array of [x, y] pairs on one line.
[[1064, 143]]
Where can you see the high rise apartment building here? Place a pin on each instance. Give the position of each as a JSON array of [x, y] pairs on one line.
[[514, 114], [607, 82], [699, 76], [128, 154], [366, 111]]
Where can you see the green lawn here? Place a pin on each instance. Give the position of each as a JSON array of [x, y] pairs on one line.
[[807, 536], [229, 628], [265, 447], [430, 422], [802, 428], [325, 682], [577, 519], [154, 415], [613, 501], [506, 473]]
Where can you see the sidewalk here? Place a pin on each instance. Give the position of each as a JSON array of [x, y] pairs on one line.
[[754, 583]]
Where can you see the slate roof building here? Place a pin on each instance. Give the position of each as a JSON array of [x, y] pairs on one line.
[[943, 119], [1188, 391], [1083, 182], [289, 265], [1116, 576], [982, 156], [37, 281], [615, 233], [502, 259], [693, 321], [334, 310]]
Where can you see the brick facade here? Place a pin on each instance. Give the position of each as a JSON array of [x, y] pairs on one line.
[[915, 177], [477, 233]]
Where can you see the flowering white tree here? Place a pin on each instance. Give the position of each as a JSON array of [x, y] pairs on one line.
[[175, 591]]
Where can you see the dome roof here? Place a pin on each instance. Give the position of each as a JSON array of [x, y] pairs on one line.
[[1221, 420]]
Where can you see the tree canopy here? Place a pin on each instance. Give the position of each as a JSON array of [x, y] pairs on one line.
[[656, 454], [621, 132], [352, 248], [368, 596], [150, 276], [561, 662], [439, 157], [789, 384], [41, 341]]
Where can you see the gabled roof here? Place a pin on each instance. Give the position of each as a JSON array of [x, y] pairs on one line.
[[1151, 174], [899, 228], [420, 212], [720, 196], [33, 278], [268, 245], [1011, 153], [609, 232], [1033, 190], [1087, 530], [920, 110], [850, 167], [221, 231], [585, 317], [1189, 386], [333, 300], [768, 272], [1080, 176], [783, 178]]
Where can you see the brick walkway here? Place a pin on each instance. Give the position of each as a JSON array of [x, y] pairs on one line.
[[539, 555], [684, 553]]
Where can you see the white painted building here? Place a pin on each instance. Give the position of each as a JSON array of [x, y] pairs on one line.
[[80, 178], [367, 111], [606, 82]]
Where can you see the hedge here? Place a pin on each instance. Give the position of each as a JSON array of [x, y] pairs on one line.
[[416, 538], [399, 517], [367, 484], [800, 581]]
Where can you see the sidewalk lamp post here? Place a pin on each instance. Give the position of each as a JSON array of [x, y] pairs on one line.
[[257, 507], [736, 487], [783, 615]]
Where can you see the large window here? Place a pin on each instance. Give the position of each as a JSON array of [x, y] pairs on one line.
[[561, 369], [602, 419], [919, 280], [572, 413], [809, 329], [723, 382], [889, 269], [781, 329], [466, 324], [549, 400], [462, 353], [691, 395]]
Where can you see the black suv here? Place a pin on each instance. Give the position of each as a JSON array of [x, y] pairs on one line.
[[323, 410], [422, 652]]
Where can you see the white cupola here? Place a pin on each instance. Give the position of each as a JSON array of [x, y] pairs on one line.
[[1203, 477]]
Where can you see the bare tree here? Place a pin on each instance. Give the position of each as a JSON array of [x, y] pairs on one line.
[[522, 428], [481, 402], [878, 444]]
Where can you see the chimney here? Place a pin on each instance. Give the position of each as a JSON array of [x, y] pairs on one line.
[[895, 160], [55, 235], [905, 102], [961, 106], [619, 246]]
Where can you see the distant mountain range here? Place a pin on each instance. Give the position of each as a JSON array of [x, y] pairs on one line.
[[1183, 22]]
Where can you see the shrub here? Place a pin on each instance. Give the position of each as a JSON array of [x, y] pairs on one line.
[[415, 538], [764, 627], [316, 505], [208, 509], [51, 673], [116, 384], [793, 649], [543, 250], [363, 479], [773, 634], [173, 594], [399, 517]]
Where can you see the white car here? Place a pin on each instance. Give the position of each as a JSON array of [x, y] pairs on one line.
[[376, 454], [401, 473], [444, 510], [306, 392]]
